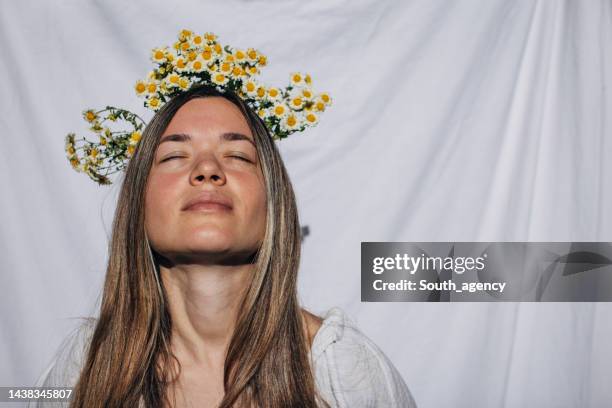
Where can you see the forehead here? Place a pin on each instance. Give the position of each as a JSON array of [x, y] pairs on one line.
[[210, 116]]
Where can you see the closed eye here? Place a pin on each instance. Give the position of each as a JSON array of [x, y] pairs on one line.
[[170, 158], [241, 158]]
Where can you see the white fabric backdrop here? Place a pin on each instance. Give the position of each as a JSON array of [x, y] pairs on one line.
[[452, 121]]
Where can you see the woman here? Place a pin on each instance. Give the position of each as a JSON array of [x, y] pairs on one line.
[[200, 305]]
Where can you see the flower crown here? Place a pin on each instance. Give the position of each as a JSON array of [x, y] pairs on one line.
[[194, 60]]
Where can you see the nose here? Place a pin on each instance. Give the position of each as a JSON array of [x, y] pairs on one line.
[[207, 169]]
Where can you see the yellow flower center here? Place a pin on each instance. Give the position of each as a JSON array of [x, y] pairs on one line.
[[184, 46], [174, 79], [237, 71], [273, 92], [297, 78], [159, 54], [306, 93], [279, 110], [140, 87], [180, 63], [206, 55], [151, 87], [91, 116], [325, 98], [220, 77], [240, 55], [291, 120], [320, 106], [197, 65], [311, 117], [250, 87], [252, 54], [297, 101], [261, 92]]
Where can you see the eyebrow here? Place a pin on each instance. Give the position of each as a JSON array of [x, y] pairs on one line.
[[227, 136]]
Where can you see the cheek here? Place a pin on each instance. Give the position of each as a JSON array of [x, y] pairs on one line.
[[254, 192], [160, 196]]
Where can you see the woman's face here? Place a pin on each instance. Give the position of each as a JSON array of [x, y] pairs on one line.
[[208, 153]]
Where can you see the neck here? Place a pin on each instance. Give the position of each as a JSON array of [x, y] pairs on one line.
[[203, 301]]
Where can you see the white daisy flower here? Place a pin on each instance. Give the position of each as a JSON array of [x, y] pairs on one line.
[[172, 80], [197, 41], [261, 92], [226, 67], [152, 87], [238, 72], [290, 122], [274, 94], [240, 56], [163, 87], [158, 55], [307, 94], [218, 49], [185, 35], [219, 78], [252, 55], [296, 103], [198, 65], [325, 98], [210, 37], [280, 110], [184, 83], [297, 79], [153, 102], [140, 87], [250, 88], [311, 118], [263, 113], [208, 56], [180, 64]]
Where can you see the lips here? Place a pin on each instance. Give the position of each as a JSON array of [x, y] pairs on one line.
[[208, 201]]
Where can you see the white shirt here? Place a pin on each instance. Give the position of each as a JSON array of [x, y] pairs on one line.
[[350, 370]]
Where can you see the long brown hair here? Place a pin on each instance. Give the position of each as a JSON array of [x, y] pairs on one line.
[[267, 361]]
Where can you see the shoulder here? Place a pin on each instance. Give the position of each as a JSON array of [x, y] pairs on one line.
[[351, 370], [68, 360]]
